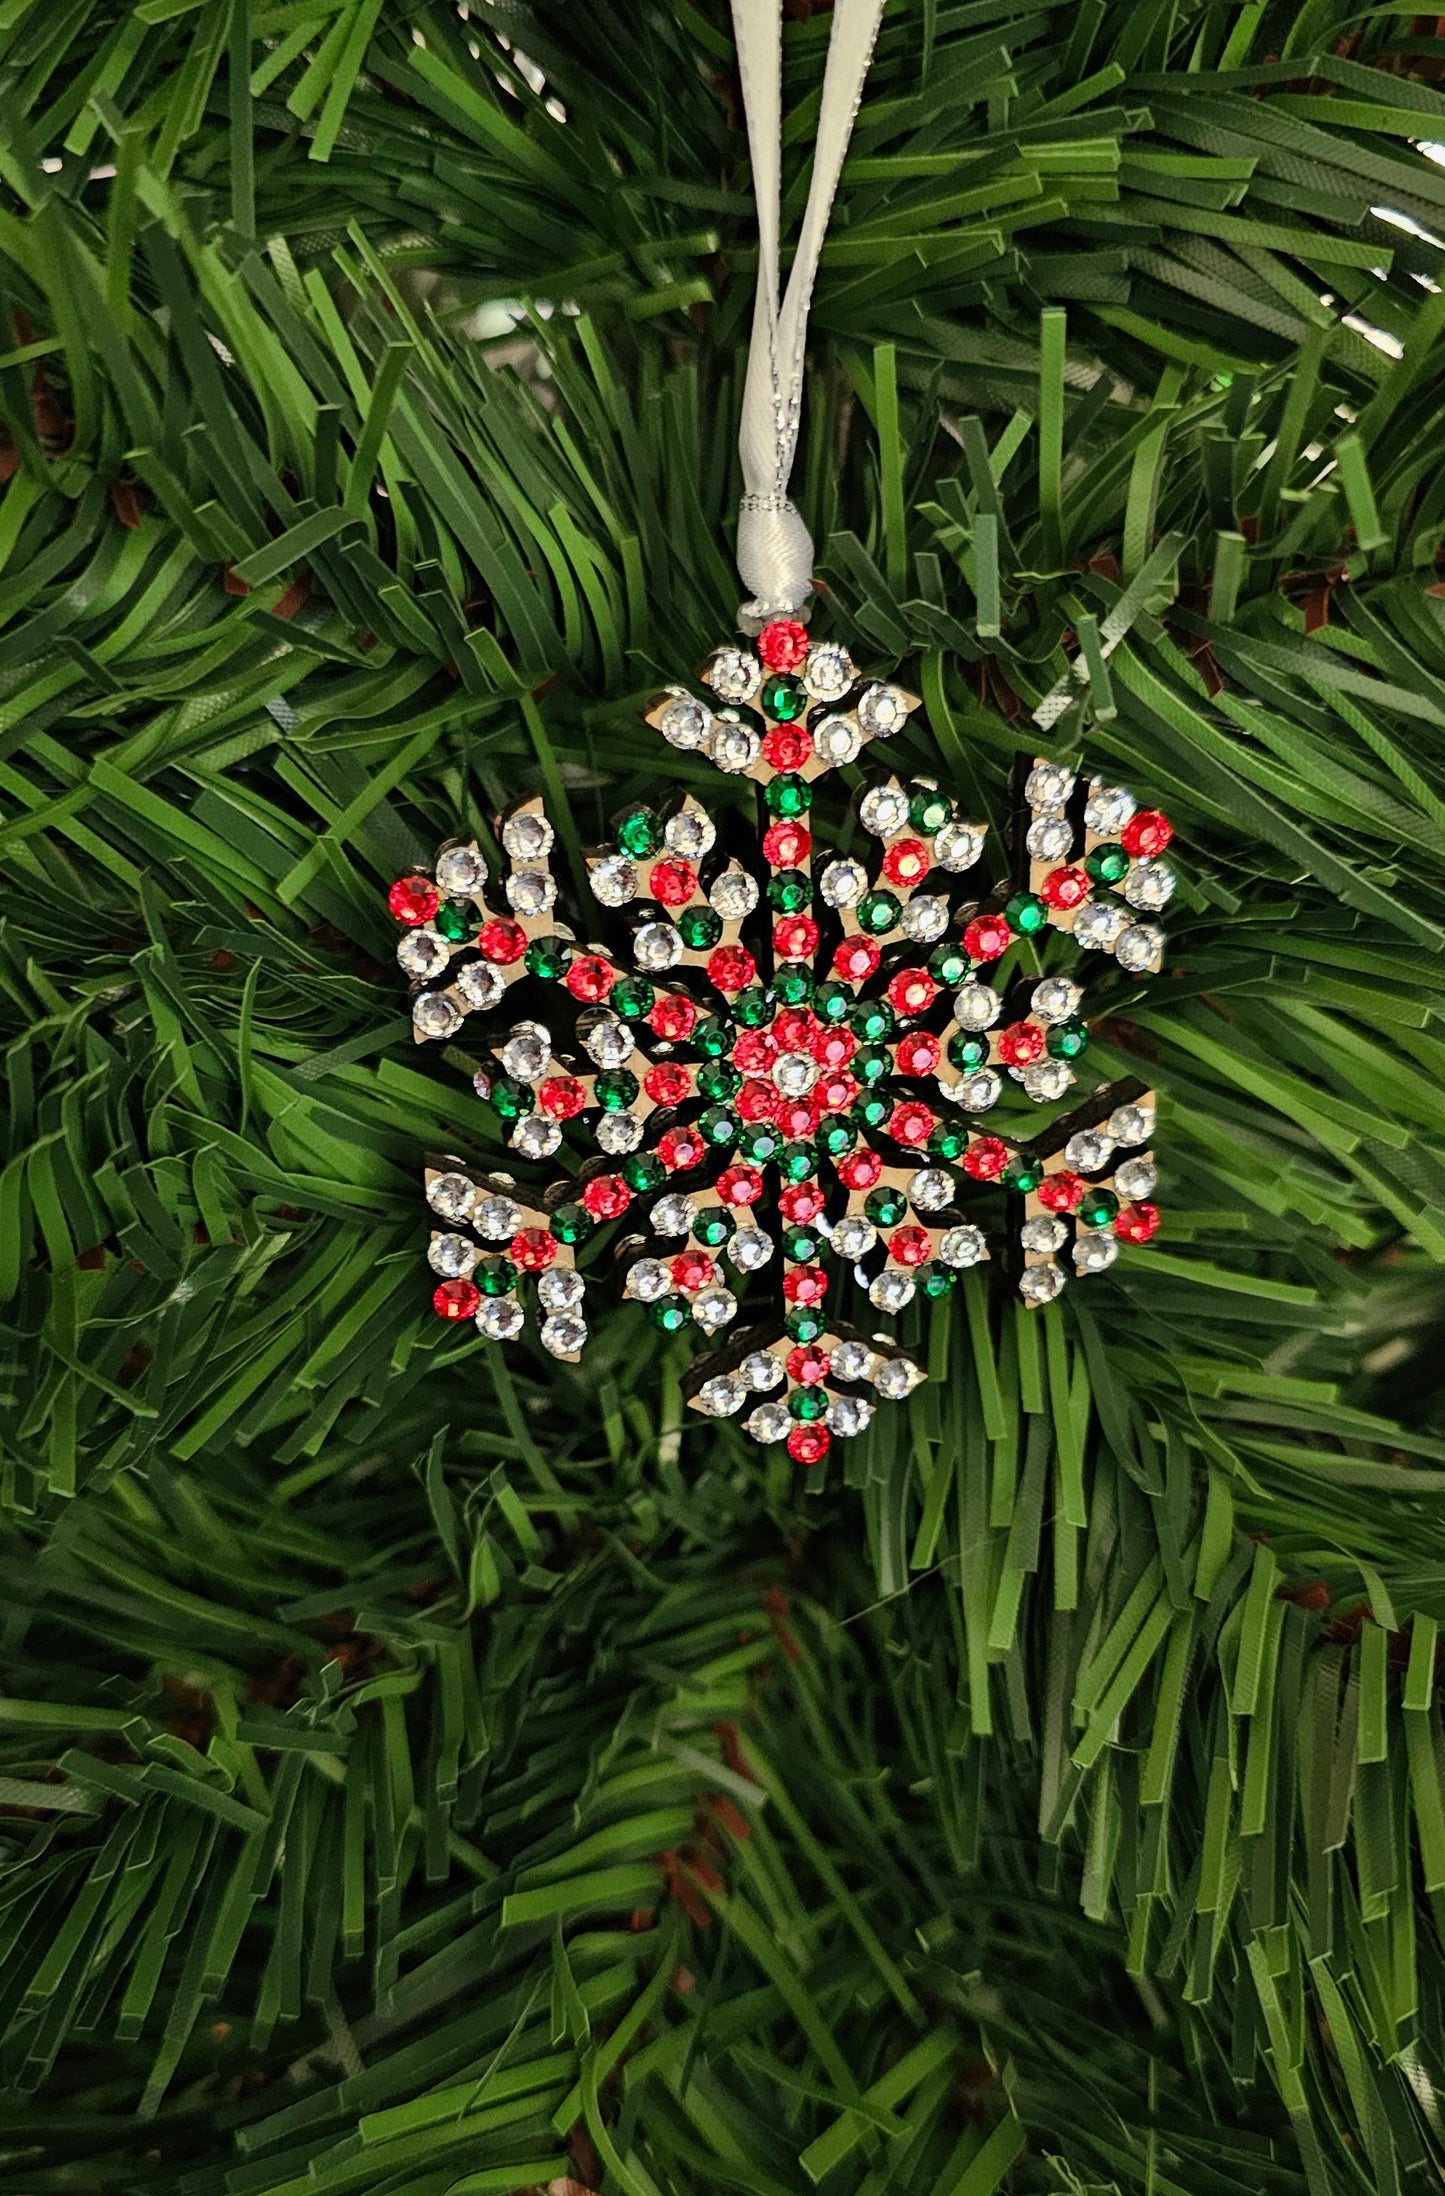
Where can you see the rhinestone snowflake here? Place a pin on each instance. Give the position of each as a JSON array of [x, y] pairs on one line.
[[782, 1059]]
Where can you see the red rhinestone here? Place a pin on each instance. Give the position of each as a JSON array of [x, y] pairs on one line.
[[1065, 887], [739, 1186], [805, 1284], [834, 1092], [911, 1123], [673, 1016], [795, 1118], [561, 1096], [502, 940], [987, 937], [589, 978], [1020, 1044], [667, 1084], [533, 1249], [731, 968], [1060, 1192], [856, 959], [795, 937], [809, 1443], [986, 1158], [415, 900], [909, 1246], [794, 1030], [906, 862], [692, 1269], [911, 991], [757, 1100], [917, 1054], [755, 1051], [787, 845], [1136, 1223], [679, 1148], [786, 747], [783, 644], [800, 1203], [808, 1364], [606, 1196], [860, 1170], [456, 1299], [834, 1048], [673, 883], [1147, 833]]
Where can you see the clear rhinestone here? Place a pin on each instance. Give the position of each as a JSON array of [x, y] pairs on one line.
[[498, 1218], [423, 953], [673, 1214], [962, 1246], [1050, 839], [608, 1041], [897, 1377], [690, 833], [500, 1317], [1046, 1080], [854, 1235], [714, 1308], [657, 945], [749, 1249], [613, 880], [848, 1415], [1047, 1233], [721, 1396], [531, 891], [931, 1189], [619, 1132], [734, 894], [853, 1360], [480, 984], [977, 1092], [883, 810], [843, 883], [769, 1422], [837, 740], [536, 1137], [762, 1371], [1088, 1150], [734, 674], [647, 1279], [1131, 1124], [976, 1006], [733, 746], [686, 721], [1136, 1178], [1149, 887], [1098, 925], [528, 1052], [451, 1255], [1108, 809], [1138, 948], [1049, 785], [1040, 1284], [564, 1334], [882, 711], [461, 871], [958, 845], [1096, 1251], [528, 836], [436, 1015], [795, 1073], [1055, 999], [559, 1289], [452, 1195], [828, 672], [890, 1290], [925, 918]]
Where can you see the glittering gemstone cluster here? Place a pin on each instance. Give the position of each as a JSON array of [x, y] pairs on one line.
[[783, 1056]]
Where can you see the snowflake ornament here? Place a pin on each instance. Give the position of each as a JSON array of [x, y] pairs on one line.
[[775, 1076]]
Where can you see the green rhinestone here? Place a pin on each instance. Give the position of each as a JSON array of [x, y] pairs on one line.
[[878, 913], [929, 810], [832, 1002], [1097, 1207], [632, 997], [885, 1206], [513, 1099], [615, 1089], [806, 1403], [835, 1135], [643, 1170], [793, 985], [713, 1037], [1027, 912], [948, 965], [548, 958], [936, 1280], [804, 1324], [671, 1313], [701, 927], [1066, 1040], [872, 1020], [870, 1109], [788, 795], [1107, 864], [713, 1225], [949, 1140], [871, 1063], [802, 1245], [571, 1223], [718, 1124], [761, 1143], [495, 1276], [753, 1007], [1022, 1174], [639, 832], [457, 919], [783, 698], [718, 1080], [790, 890], [798, 1162], [968, 1048]]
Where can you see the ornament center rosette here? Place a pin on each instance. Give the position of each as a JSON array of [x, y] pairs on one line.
[[769, 1083]]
